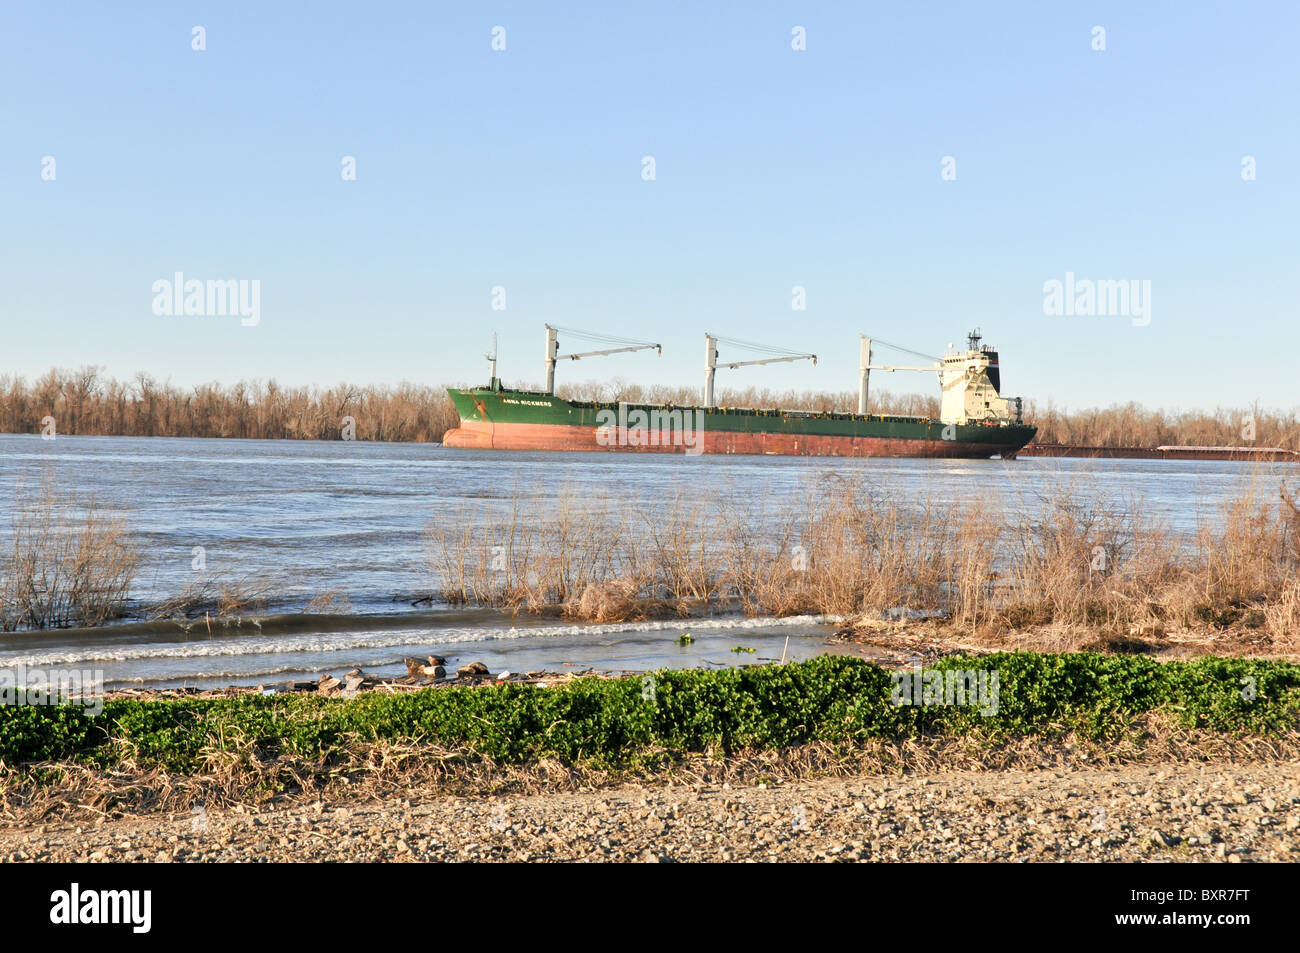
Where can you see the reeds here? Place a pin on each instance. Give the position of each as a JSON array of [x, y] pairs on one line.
[[1077, 555], [67, 563], [535, 552], [228, 596]]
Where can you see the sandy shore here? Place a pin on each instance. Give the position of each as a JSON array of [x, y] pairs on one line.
[[1177, 812]]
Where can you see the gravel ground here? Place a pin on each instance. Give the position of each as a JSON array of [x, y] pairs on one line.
[[1178, 812]]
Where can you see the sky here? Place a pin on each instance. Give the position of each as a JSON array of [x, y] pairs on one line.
[[916, 169]]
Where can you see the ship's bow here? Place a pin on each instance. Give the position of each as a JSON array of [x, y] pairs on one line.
[[474, 432]]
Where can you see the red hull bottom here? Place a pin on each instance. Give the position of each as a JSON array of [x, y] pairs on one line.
[[476, 435]]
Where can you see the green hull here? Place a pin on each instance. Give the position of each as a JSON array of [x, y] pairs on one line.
[[526, 420]]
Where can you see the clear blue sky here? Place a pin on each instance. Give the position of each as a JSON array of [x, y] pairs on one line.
[[775, 168]]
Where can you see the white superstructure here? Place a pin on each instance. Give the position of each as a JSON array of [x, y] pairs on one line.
[[971, 382]]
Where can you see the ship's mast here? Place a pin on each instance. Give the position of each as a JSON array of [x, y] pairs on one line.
[[553, 349], [711, 364], [864, 369], [492, 362]]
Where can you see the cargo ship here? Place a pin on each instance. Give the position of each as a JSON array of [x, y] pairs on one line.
[[975, 420]]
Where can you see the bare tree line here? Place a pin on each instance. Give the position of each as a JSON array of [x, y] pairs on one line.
[[85, 401], [1132, 425]]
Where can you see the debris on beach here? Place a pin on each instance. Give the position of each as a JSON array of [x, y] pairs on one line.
[[356, 682], [434, 669]]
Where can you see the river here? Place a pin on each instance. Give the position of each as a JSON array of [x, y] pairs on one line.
[[349, 519]]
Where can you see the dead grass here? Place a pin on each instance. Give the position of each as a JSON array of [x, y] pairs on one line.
[[68, 563], [227, 596], [238, 775], [332, 603], [1093, 563]]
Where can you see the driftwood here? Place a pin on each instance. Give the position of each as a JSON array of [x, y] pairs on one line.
[[357, 682]]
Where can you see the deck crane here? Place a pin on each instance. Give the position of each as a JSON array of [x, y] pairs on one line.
[[553, 349], [866, 367], [711, 360]]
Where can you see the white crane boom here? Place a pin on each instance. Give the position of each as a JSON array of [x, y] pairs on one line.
[[612, 350], [768, 360], [865, 367], [711, 363], [553, 351]]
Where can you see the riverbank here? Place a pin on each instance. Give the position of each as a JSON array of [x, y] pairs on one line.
[[894, 642], [828, 717]]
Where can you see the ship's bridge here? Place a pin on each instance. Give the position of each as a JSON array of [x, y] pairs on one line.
[[971, 382]]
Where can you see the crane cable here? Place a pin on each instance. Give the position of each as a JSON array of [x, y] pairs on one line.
[[905, 350], [596, 338], [761, 348]]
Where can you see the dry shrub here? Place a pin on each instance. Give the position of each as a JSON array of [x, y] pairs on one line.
[[1083, 556], [752, 565], [896, 551], [536, 553], [1078, 556], [974, 562], [223, 596], [669, 545], [840, 549], [465, 560], [848, 549], [1241, 552], [68, 563], [334, 603], [613, 601], [1282, 616]]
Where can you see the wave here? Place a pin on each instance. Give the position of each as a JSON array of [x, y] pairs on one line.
[[323, 642]]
